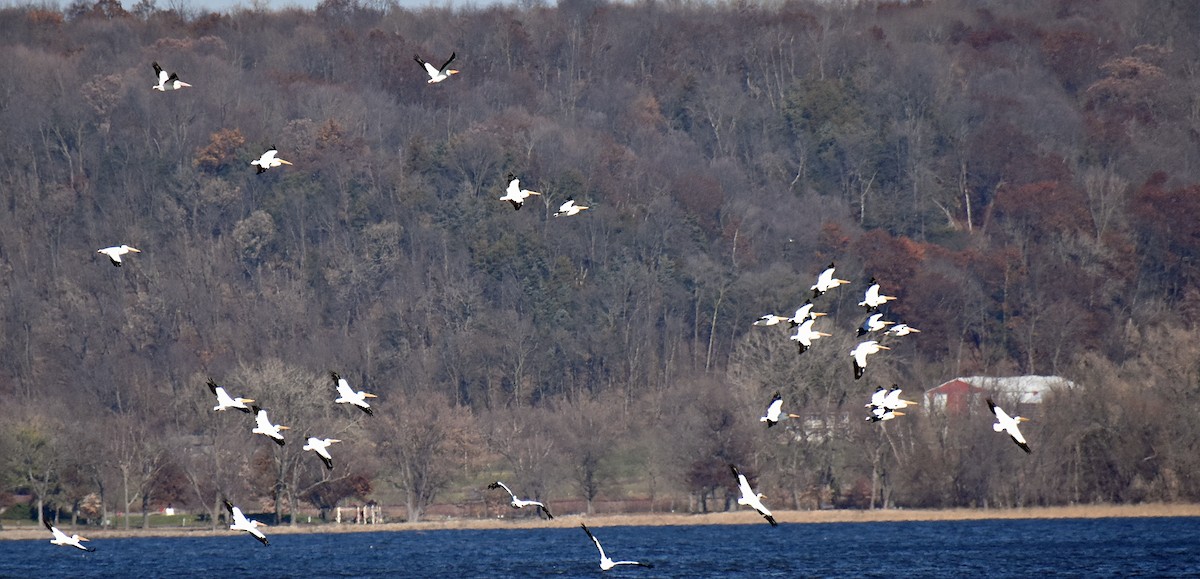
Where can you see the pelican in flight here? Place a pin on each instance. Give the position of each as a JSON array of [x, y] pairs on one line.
[[437, 74], [901, 330], [826, 282], [860, 353], [605, 562], [893, 400], [521, 503], [770, 320], [879, 413], [805, 334], [241, 523], [268, 160], [61, 538], [569, 208], [224, 400], [873, 323], [515, 194], [167, 81], [265, 427], [751, 498], [874, 299], [321, 447], [1006, 423], [878, 398], [114, 253], [775, 411], [348, 396], [803, 313]]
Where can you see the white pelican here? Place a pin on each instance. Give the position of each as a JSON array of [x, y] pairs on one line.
[[224, 400], [265, 427], [775, 411], [879, 413], [114, 253], [803, 313], [241, 523], [874, 299], [873, 323], [515, 194], [770, 320], [1006, 423], [826, 282], [605, 562], [751, 498], [893, 400], [805, 334], [878, 398], [61, 538], [268, 160], [569, 208], [321, 447], [348, 396], [166, 81], [860, 353], [521, 503], [437, 74], [901, 330]]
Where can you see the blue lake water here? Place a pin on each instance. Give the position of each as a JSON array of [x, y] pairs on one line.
[[1155, 547]]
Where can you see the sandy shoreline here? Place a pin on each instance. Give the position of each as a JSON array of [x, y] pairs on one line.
[[648, 519]]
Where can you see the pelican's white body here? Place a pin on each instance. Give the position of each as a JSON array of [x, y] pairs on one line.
[[61, 538], [860, 354], [346, 395], [569, 208], [873, 299], [805, 334], [750, 498], [264, 426], [515, 194], [114, 253], [826, 282]]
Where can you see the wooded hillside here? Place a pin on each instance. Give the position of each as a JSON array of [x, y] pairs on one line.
[[1023, 176]]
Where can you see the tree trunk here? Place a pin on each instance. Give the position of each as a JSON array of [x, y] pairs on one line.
[[411, 506], [125, 503], [217, 509], [145, 510], [291, 509]]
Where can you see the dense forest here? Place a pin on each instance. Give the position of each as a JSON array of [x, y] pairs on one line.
[[1023, 176]]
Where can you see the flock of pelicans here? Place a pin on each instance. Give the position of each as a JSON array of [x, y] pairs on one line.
[[885, 404]]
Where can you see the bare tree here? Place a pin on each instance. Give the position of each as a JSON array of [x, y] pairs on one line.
[[424, 443]]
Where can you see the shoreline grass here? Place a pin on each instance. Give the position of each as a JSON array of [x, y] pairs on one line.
[[743, 517]]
